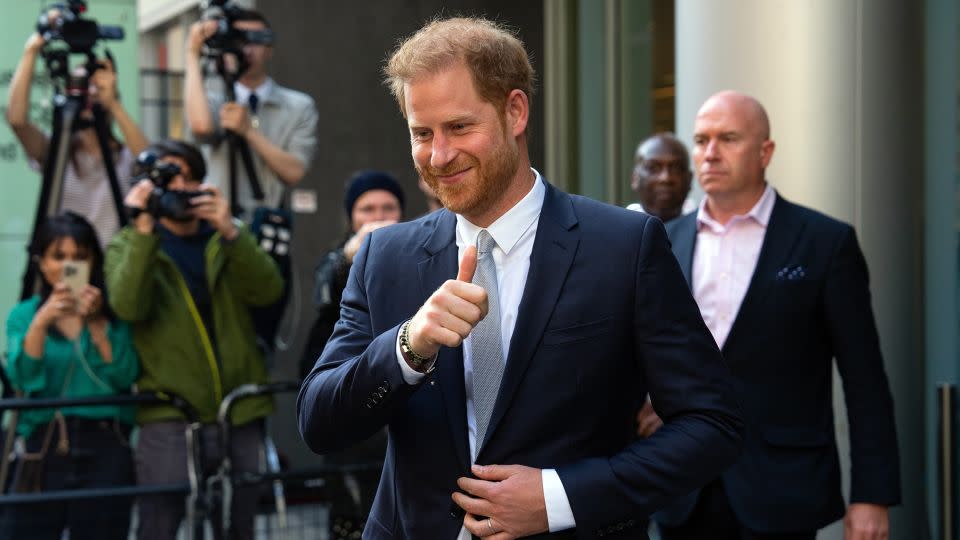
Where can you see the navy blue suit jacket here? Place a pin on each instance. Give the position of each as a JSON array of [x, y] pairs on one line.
[[605, 315], [808, 302]]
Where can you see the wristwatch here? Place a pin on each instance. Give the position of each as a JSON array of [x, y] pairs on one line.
[[423, 364]]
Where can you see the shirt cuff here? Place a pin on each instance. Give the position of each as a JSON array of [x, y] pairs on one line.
[[410, 375], [559, 513]]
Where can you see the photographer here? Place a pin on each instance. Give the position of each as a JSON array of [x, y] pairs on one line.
[[66, 343], [185, 278], [278, 123], [373, 199], [86, 188]]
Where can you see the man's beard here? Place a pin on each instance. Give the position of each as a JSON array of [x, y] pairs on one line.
[[474, 196]]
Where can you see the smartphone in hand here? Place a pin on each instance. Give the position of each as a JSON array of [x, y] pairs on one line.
[[76, 274]]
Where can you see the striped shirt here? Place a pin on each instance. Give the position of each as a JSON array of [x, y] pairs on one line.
[[86, 190]]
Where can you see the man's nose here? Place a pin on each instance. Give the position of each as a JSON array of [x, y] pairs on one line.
[[441, 152], [710, 150]]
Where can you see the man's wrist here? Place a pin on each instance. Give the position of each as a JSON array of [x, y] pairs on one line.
[[143, 223], [420, 363], [230, 231], [250, 129]]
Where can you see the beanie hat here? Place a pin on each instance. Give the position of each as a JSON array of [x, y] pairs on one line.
[[365, 181]]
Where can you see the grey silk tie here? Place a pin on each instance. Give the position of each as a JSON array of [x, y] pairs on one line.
[[485, 343]]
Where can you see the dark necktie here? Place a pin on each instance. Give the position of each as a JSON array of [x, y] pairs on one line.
[[252, 102]]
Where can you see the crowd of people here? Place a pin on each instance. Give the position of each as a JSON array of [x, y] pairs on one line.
[[529, 362]]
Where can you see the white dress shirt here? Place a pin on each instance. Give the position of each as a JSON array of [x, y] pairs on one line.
[[689, 205], [242, 93], [724, 259], [514, 233]]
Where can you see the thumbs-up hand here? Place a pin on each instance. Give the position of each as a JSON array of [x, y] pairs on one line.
[[451, 312]]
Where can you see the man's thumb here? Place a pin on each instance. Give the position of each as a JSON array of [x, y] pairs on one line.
[[468, 265]]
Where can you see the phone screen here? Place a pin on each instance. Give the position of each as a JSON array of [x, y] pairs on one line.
[[76, 274]]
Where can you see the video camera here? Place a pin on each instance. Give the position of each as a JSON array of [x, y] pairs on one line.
[[164, 202], [228, 39], [78, 33]]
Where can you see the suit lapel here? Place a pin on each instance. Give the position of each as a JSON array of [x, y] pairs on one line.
[[553, 252], [684, 240], [783, 232], [440, 266]]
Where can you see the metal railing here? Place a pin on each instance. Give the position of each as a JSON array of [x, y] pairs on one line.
[[192, 489], [225, 480], [202, 492]]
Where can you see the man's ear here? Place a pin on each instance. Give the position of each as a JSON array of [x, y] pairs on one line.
[[766, 152], [518, 112]]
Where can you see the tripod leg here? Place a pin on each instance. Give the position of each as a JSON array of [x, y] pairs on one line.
[[251, 170], [235, 207], [102, 130], [65, 111]]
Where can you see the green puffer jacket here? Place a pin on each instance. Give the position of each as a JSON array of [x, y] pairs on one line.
[[148, 291]]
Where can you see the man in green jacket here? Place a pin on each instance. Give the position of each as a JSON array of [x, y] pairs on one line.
[[185, 277]]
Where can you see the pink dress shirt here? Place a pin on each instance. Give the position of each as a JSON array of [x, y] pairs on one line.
[[724, 259]]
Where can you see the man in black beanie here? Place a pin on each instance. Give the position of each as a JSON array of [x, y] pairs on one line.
[[373, 199]]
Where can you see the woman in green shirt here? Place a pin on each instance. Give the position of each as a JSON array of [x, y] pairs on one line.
[[65, 342]]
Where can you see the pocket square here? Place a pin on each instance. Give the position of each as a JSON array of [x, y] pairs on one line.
[[792, 272]]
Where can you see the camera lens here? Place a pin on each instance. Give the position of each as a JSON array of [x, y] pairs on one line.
[[77, 85]]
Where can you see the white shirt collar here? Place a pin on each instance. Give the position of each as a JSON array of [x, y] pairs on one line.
[[689, 205], [510, 227], [243, 93], [760, 212]]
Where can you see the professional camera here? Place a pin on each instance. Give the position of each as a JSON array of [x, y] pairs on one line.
[[79, 34], [164, 202], [228, 39]]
